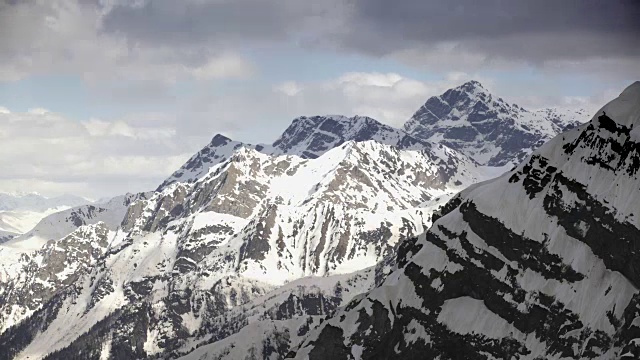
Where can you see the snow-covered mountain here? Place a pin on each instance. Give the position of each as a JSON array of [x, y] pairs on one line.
[[538, 263], [308, 138], [19, 213], [255, 222], [61, 223], [488, 129], [259, 241]]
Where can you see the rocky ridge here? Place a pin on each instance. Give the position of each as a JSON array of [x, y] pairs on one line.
[[538, 263], [485, 127]]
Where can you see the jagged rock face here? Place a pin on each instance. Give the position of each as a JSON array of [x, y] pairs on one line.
[[298, 217], [488, 129], [62, 223], [539, 263], [310, 137], [20, 213], [218, 150], [191, 253], [42, 274], [270, 326]]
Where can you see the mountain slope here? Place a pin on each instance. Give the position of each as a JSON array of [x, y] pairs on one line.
[[61, 223], [491, 131], [308, 138], [192, 252], [20, 213], [538, 263]]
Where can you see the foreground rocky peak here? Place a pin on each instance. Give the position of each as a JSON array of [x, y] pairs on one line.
[[538, 263], [492, 131]]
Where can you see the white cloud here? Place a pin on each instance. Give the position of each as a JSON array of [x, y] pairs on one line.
[[289, 88], [224, 66], [48, 153], [38, 111], [65, 36]]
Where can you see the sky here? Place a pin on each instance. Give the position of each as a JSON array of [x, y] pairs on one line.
[[104, 97]]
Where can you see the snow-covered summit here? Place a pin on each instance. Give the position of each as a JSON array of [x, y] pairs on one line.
[[254, 221], [307, 138], [217, 151], [310, 137], [492, 131]]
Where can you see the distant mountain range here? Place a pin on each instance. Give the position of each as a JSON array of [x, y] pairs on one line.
[[321, 245], [21, 212]]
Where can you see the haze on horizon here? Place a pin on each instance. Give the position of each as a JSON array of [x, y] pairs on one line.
[[99, 98]]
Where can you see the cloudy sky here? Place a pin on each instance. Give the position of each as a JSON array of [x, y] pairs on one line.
[[98, 98]]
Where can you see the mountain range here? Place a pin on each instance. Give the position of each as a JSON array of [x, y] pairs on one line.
[[21, 212], [351, 239], [538, 263]]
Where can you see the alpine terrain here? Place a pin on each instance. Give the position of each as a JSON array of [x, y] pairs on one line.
[[540, 263], [21, 212], [316, 245], [485, 127]]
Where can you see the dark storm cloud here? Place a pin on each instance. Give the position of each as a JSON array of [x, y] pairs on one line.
[[178, 22], [537, 30], [531, 30]]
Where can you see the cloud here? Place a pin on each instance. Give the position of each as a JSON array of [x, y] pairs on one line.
[[536, 31], [224, 66], [119, 128], [164, 41], [54, 36], [289, 88], [457, 35], [46, 152], [219, 22], [261, 114]]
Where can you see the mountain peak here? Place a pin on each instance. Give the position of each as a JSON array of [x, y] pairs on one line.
[[470, 119], [310, 137], [471, 85], [218, 150], [625, 109], [632, 91], [219, 140]]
